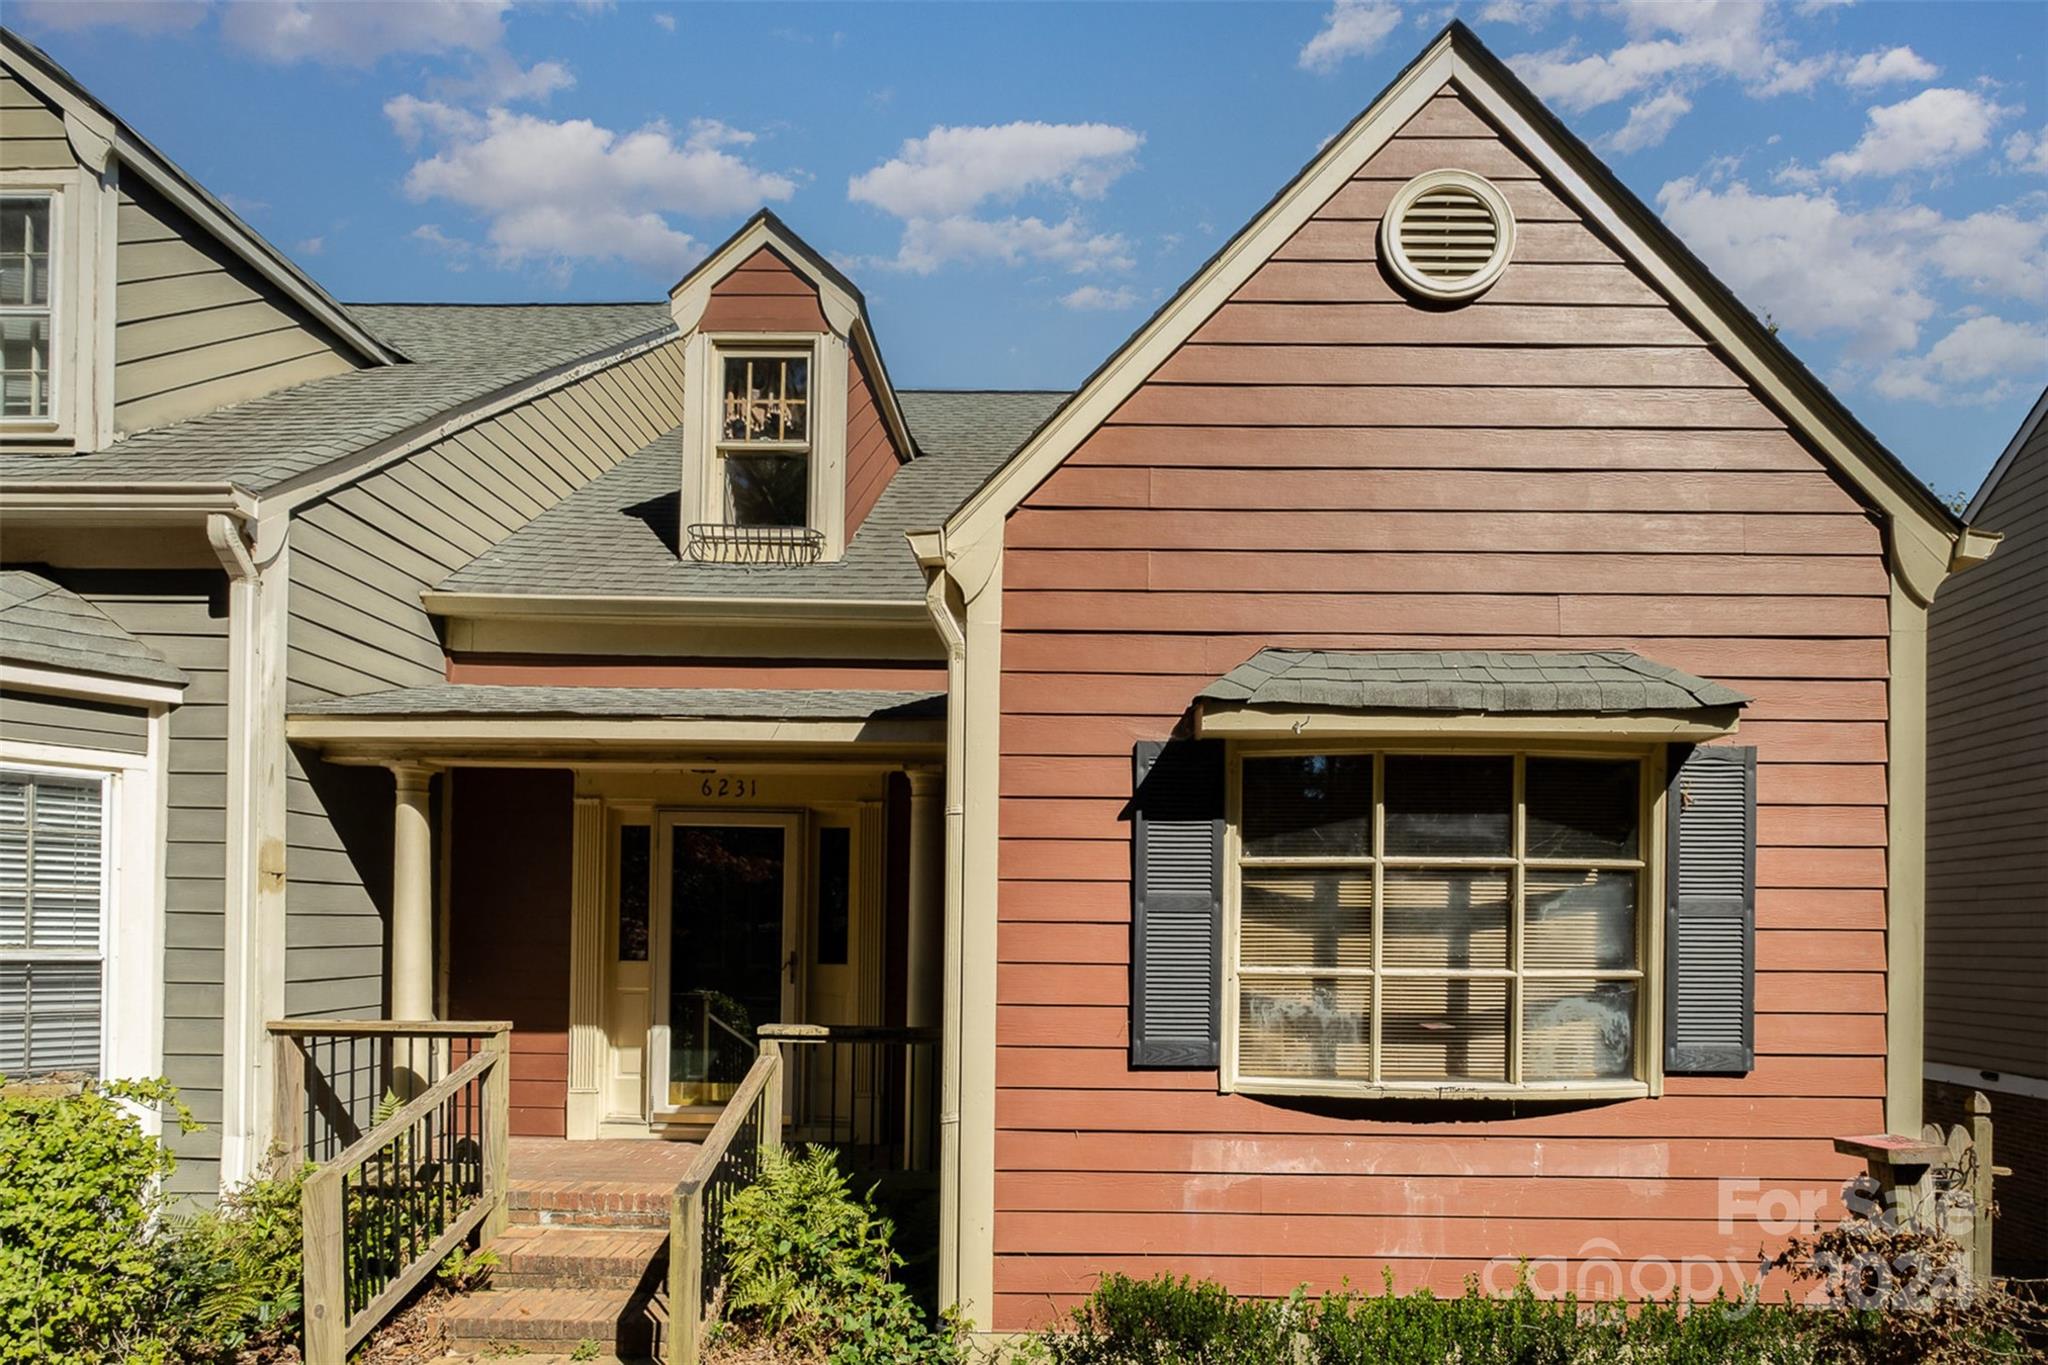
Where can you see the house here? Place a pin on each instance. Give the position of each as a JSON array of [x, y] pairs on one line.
[[1418, 762], [1987, 842]]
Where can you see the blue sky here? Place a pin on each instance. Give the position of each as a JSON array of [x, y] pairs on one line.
[[1016, 186]]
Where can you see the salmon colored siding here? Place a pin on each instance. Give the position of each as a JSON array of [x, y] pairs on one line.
[[542, 670], [872, 457], [764, 293], [1563, 464], [509, 927]]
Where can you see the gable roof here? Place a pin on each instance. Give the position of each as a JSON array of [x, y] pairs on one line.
[[465, 355], [846, 308], [1927, 539], [46, 626], [618, 535], [2011, 453], [42, 74]]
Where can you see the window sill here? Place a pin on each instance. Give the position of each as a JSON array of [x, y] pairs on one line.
[[1559, 1091]]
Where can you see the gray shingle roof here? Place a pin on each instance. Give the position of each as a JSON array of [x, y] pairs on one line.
[[1606, 682], [460, 353], [44, 625], [641, 703], [619, 533]]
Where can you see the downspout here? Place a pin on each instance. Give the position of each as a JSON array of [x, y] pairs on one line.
[[939, 597], [251, 553]]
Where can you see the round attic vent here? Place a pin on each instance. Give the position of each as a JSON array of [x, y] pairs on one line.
[[1447, 235]]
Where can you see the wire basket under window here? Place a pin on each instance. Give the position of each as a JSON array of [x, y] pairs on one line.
[[718, 543]]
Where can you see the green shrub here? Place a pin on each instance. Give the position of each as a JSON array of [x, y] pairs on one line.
[[79, 1182], [809, 1268], [231, 1273], [1168, 1321]]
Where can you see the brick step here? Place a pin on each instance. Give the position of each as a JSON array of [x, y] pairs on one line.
[[588, 1204], [537, 1256], [616, 1320]]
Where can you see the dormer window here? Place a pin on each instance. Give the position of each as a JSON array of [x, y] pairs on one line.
[[26, 318], [764, 438]]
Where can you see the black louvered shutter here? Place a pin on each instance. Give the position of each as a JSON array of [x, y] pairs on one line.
[[1176, 902], [1710, 912]]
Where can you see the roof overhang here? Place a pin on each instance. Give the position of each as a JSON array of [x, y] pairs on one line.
[[1927, 541], [96, 133], [64, 682], [841, 613], [100, 502], [511, 739], [1231, 720]]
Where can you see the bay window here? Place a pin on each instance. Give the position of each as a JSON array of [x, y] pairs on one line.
[[1429, 922]]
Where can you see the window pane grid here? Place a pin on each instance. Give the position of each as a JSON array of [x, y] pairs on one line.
[[1574, 1012], [25, 311], [51, 896]]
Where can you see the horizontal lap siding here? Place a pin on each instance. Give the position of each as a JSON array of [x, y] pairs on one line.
[[31, 132], [578, 671], [872, 458], [32, 718], [195, 328], [183, 616], [1987, 797], [764, 293], [1564, 464], [359, 561], [509, 928]]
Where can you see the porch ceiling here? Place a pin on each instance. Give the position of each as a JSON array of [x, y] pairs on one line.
[[456, 721]]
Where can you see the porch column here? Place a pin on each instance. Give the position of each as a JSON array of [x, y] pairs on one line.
[[926, 926], [412, 893]]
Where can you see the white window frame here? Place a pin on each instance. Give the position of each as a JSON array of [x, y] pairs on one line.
[[82, 235], [1647, 1081], [54, 335], [704, 357], [132, 899], [727, 448]]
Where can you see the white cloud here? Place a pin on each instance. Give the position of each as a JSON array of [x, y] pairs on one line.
[[1997, 253], [930, 243], [1093, 298], [555, 192], [1870, 277], [1882, 68], [1650, 121], [1802, 258], [1521, 13], [1928, 130], [1352, 28], [665, 22], [951, 170], [2027, 151], [936, 182], [311, 246], [1983, 360], [1676, 42], [137, 16], [362, 32]]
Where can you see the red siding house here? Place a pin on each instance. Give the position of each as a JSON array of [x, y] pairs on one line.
[[1419, 763]]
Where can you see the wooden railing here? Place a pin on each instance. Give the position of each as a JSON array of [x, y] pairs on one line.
[[384, 1210], [869, 1093], [729, 1160], [331, 1074]]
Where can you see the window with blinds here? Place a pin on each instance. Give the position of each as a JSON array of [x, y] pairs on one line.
[[1423, 921], [52, 895]]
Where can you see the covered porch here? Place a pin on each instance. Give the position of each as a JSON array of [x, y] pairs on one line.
[[641, 880]]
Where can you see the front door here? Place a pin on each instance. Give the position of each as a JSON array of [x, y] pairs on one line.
[[728, 952]]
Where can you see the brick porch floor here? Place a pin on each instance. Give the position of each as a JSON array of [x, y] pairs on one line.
[[627, 1180]]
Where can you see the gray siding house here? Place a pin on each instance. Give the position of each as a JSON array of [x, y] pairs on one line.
[[1987, 840]]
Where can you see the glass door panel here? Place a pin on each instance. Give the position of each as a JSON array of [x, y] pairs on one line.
[[729, 959]]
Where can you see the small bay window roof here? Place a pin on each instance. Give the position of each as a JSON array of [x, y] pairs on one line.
[[1588, 694]]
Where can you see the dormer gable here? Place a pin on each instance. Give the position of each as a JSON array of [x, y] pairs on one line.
[[792, 428]]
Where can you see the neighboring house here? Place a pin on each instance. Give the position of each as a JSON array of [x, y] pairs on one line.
[[1419, 759], [1987, 843]]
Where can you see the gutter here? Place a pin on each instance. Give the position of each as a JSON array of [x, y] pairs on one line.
[[929, 548]]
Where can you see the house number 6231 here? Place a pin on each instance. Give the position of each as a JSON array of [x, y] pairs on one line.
[[731, 788]]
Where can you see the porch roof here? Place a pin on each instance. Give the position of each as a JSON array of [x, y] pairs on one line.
[[457, 720], [1595, 692], [45, 626]]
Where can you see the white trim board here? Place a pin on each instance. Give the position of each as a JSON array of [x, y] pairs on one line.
[[2033, 1087], [2011, 453]]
